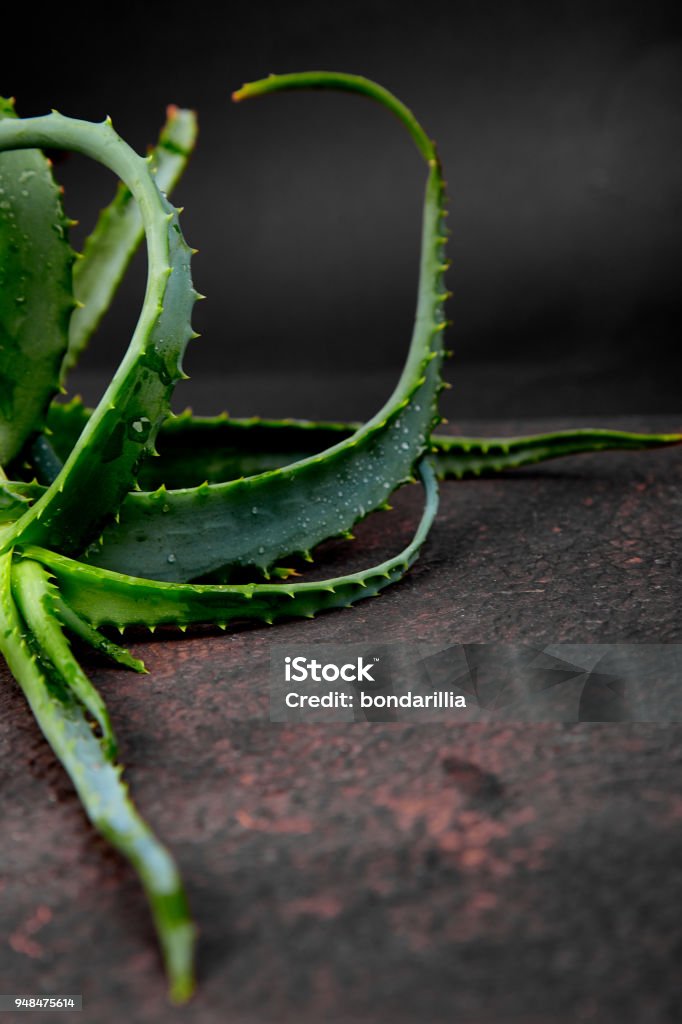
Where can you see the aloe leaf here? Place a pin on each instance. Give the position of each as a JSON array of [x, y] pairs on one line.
[[119, 231], [36, 297], [194, 449], [82, 629], [123, 427], [239, 446], [459, 457], [105, 597], [302, 504], [37, 600], [158, 521], [101, 789], [207, 448]]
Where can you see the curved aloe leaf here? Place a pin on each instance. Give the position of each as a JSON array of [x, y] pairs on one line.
[[102, 792], [104, 597], [194, 449], [122, 429], [36, 298], [210, 448], [119, 231], [291, 509], [161, 521]]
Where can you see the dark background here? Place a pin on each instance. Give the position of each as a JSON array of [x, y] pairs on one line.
[[559, 126]]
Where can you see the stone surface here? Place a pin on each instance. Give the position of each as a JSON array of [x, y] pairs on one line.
[[384, 872]]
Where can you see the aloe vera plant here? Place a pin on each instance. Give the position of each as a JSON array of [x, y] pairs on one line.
[[224, 495]]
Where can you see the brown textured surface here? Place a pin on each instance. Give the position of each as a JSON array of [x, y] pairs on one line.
[[386, 872]]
